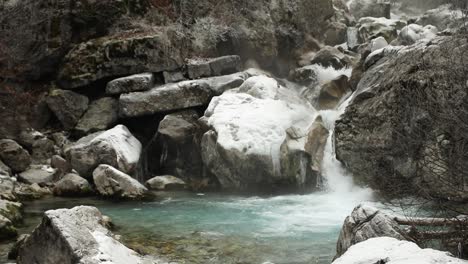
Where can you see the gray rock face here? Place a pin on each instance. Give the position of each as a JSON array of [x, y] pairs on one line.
[[213, 67], [117, 55], [14, 156], [116, 147], [40, 174], [114, 183], [101, 115], [165, 98], [370, 8], [75, 235], [133, 83], [366, 222], [72, 185], [166, 182], [393, 136], [67, 106]]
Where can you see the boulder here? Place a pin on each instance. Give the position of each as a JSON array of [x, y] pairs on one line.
[[101, 115], [371, 27], [369, 8], [413, 32], [393, 136], [114, 183], [165, 183], [331, 57], [61, 164], [378, 43], [7, 187], [173, 76], [175, 149], [67, 106], [116, 147], [256, 137], [133, 83], [332, 92], [14, 155], [213, 67], [366, 222], [31, 191], [43, 149], [40, 174], [72, 185], [315, 144], [117, 55], [392, 251], [76, 235], [169, 97], [11, 210]]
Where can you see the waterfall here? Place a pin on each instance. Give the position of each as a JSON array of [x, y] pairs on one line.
[[336, 179]]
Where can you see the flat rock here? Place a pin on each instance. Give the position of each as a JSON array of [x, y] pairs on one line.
[[40, 174], [132, 83], [213, 67], [393, 251], [72, 185], [101, 115], [76, 235], [116, 147], [67, 106], [166, 182], [113, 183], [14, 155]]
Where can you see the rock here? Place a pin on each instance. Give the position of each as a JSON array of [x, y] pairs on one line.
[[44, 32], [165, 98], [117, 55], [443, 18], [315, 144], [7, 187], [67, 106], [13, 253], [61, 164], [7, 230], [11, 210], [116, 147], [133, 83], [175, 149], [413, 32], [213, 67], [40, 174], [255, 137], [101, 115], [75, 235], [166, 183], [114, 183], [173, 76], [371, 27], [30, 192], [43, 149], [392, 251], [4, 170], [14, 156], [332, 92], [331, 57], [72, 185], [336, 34], [369, 8], [27, 137], [391, 131], [366, 222], [378, 43]]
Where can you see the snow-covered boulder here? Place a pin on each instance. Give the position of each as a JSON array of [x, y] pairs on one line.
[[76, 235], [393, 251], [113, 183], [413, 32], [257, 136], [116, 147], [366, 222]]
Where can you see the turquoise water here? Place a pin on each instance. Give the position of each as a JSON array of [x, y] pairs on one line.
[[214, 228]]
